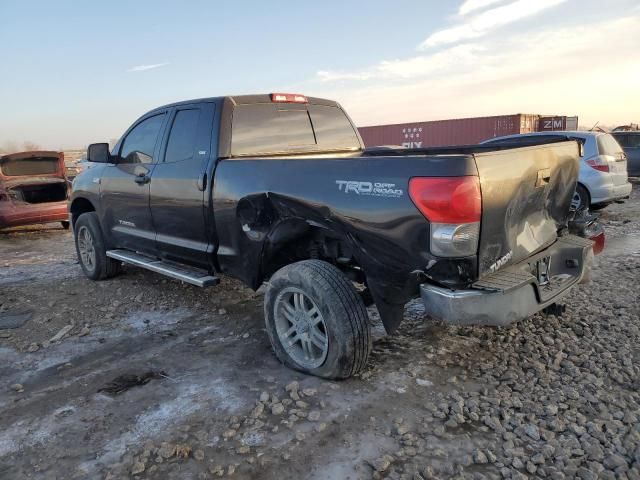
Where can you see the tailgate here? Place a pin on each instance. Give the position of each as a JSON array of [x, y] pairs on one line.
[[618, 168], [526, 194]]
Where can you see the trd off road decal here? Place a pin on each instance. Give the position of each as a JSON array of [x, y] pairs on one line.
[[375, 189]]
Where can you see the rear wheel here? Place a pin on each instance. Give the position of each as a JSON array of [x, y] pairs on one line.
[[581, 198], [65, 224], [316, 321], [91, 250]]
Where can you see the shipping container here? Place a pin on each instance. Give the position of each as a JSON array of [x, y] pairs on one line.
[[546, 124], [458, 131]]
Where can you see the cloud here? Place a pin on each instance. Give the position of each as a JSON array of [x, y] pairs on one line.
[[472, 5], [418, 66], [487, 21], [327, 76], [555, 70], [143, 68]]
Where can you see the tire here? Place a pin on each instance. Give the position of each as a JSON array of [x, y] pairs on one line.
[[88, 236], [581, 198], [65, 224], [324, 304]]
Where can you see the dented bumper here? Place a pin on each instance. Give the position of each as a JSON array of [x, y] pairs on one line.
[[514, 292]]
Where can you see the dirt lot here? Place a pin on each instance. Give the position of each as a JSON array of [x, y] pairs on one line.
[[145, 377]]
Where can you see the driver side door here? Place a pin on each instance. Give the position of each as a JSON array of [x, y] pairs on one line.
[[124, 186]]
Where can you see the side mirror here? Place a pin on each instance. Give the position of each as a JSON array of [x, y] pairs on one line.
[[99, 153]]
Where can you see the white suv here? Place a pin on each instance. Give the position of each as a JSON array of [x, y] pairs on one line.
[[603, 170]]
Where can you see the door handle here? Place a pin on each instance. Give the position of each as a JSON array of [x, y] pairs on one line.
[[141, 179], [202, 182]]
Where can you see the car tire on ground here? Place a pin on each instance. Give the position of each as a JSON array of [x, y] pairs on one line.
[[65, 224], [316, 321], [91, 250], [581, 198]]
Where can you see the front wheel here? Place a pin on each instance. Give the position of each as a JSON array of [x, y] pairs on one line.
[[316, 321], [91, 250]]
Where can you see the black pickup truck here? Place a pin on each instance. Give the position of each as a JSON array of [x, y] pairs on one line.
[[279, 189]]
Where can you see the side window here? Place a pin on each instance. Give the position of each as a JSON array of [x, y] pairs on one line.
[[634, 140], [623, 140], [182, 138], [139, 145]]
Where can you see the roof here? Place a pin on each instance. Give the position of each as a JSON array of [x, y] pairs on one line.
[[242, 100], [560, 133]]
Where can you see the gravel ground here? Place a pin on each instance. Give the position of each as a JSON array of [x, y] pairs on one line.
[[143, 377]]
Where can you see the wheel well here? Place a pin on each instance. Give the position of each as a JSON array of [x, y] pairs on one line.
[[80, 206], [317, 243], [580, 184], [309, 243]]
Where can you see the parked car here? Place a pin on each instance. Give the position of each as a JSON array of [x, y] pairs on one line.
[[72, 169], [630, 143], [279, 189], [603, 175], [33, 189]]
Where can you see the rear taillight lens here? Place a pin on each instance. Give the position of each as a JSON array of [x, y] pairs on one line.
[[598, 163], [598, 243], [453, 205]]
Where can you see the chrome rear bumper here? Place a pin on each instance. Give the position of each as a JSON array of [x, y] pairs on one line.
[[514, 292]]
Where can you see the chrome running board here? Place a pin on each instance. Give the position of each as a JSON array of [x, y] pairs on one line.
[[194, 276]]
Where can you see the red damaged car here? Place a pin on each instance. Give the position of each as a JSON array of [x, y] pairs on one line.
[[33, 189]]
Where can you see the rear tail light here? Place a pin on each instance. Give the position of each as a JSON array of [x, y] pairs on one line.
[[453, 205], [598, 243], [598, 163], [288, 98]]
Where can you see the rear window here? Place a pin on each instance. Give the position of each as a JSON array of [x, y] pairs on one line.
[[29, 166], [276, 128], [333, 129], [607, 145]]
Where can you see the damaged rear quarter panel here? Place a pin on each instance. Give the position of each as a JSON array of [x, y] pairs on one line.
[[360, 200]]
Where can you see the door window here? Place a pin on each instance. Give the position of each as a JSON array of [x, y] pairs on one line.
[[623, 140], [140, 143], [634, 140], [628, 140], [182, 138]]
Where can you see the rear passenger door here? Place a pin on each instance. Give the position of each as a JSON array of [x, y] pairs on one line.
[[179, 183]]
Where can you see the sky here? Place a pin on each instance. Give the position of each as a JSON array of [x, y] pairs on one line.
[[74, 73]]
